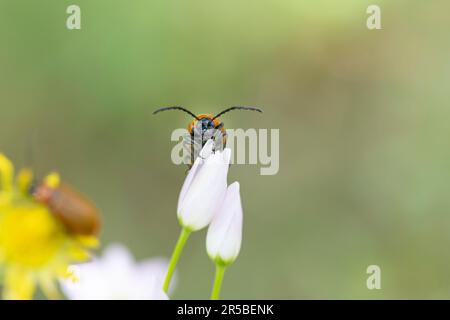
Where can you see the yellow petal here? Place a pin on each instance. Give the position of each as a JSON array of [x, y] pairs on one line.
[[52, 180], [6, 172], [24, 180], [71, 273], [19, 284], [49, 288], [78, 254], [88, 241]]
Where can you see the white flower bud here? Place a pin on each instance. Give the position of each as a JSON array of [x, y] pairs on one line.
[[223, 241], [204, 188]]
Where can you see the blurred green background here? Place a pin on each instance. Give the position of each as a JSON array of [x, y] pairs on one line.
[[363, 118]]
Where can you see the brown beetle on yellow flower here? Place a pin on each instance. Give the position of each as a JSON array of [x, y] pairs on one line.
[[43, 230]]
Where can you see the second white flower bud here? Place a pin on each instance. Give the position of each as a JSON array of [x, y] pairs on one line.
[[223, 241]]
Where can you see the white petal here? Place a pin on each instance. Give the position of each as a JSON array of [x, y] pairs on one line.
[[147, 287], [117, 255], [225, 231], [198, 163], [188, 181], [227, 156], [205, 194], [117, 276], [90, 284], [157, 268]]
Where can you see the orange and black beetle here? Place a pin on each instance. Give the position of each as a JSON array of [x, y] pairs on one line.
[[77, 213], [204, 127]]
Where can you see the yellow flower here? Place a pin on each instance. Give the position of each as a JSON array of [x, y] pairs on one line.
[[35, 248]]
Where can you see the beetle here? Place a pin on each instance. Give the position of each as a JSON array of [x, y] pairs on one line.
[[204, 127], [77, 213]]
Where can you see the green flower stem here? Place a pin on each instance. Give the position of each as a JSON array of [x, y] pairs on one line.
[[184, 235], [220, 271]]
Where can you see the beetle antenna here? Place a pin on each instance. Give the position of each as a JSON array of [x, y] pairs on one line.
[[176, 108], [237, 108]]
